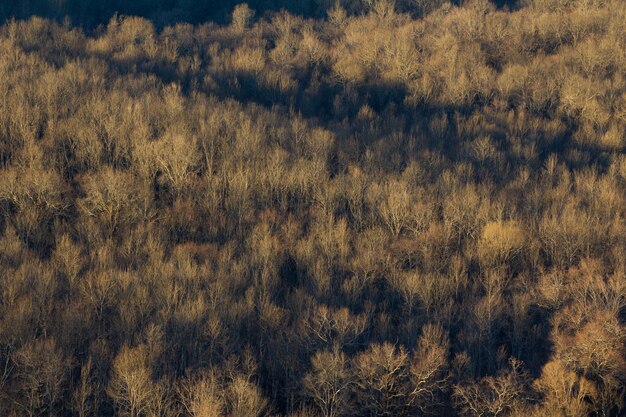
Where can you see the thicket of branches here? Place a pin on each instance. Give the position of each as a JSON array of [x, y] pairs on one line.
[[381, 212]]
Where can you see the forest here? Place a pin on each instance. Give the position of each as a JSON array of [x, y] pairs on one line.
[[313, 208]]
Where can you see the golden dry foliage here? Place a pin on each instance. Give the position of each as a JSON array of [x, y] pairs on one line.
[[501, 241]]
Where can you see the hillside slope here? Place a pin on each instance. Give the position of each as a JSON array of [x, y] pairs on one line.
[[374, 212]]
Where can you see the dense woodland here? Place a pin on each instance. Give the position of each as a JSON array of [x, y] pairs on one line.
[[360, 209]]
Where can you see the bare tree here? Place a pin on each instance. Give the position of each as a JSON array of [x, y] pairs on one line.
[[42, 369], [83, 401], [493, 396], [329, 383], [242, 17], [429, 373], [202, 395], [382, 378], [130, 386]]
